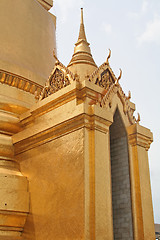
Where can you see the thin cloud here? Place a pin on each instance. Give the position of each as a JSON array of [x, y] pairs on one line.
[[145, 6], [143, 10], [152, 32], [107, 28], [133, 15], [65, 8]]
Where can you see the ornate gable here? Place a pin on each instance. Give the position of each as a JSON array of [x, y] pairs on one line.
[[59, 78], [106, 101], [105, 78]]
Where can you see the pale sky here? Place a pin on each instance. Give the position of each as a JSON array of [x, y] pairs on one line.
[[131, 29]]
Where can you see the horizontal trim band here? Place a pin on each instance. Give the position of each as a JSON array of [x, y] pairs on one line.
[[19, 82]]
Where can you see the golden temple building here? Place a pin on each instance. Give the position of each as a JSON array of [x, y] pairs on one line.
[[74, 159]]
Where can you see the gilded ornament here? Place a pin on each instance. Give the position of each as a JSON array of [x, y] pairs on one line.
[[56, 82], [120, 75], [109, 55], [105, 79], [138, 118], [129, 95]]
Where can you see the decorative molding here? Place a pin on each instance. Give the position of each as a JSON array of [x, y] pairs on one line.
[[82, 120], [108, 96], [116, 88], [105, 78], [19, 82], [97, 73], [139, 136], [47, 4], [140, 140], [49, 106]]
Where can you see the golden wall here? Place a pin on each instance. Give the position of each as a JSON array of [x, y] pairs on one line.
[[26, 47], [64, 150], [55, 154], [55, 171], [28, 39]]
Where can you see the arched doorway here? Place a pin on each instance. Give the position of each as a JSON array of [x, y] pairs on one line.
[[121, 192]]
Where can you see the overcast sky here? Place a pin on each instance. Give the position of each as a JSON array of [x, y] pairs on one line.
[[131, 29]]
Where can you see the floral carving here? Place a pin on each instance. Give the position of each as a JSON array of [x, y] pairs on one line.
[[105, 80], [56, 82]]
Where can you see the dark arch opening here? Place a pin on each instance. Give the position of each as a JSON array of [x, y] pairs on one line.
[[121, 192]]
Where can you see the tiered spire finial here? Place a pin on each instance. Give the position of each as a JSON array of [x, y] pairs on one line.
[[82, 52]]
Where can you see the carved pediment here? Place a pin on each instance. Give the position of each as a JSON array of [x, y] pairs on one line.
[[103, 76], [105, 79], [60, 77], [106, 101], [58, 81]]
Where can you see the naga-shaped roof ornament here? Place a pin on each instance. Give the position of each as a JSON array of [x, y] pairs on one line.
[[109, 55]]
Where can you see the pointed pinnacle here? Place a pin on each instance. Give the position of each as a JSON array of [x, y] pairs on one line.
[[82, 16], [82, 52], [82, 35]]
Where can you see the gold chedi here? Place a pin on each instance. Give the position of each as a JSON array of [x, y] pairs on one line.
[[74, 164]]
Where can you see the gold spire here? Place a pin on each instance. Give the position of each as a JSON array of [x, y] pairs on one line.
[[82, 34], [82, 52]]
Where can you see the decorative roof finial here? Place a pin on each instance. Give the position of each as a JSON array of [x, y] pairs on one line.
[[138, 118], [129, 95], [120, 74], [109, 55]]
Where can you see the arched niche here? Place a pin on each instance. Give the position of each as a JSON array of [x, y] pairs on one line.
[[120, 175]]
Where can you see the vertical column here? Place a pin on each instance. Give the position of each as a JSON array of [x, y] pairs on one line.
[[98, 172], [14, 196], [140, 139]]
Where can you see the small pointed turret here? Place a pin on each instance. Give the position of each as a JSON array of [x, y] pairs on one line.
[[82, 61], [82, 34]]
